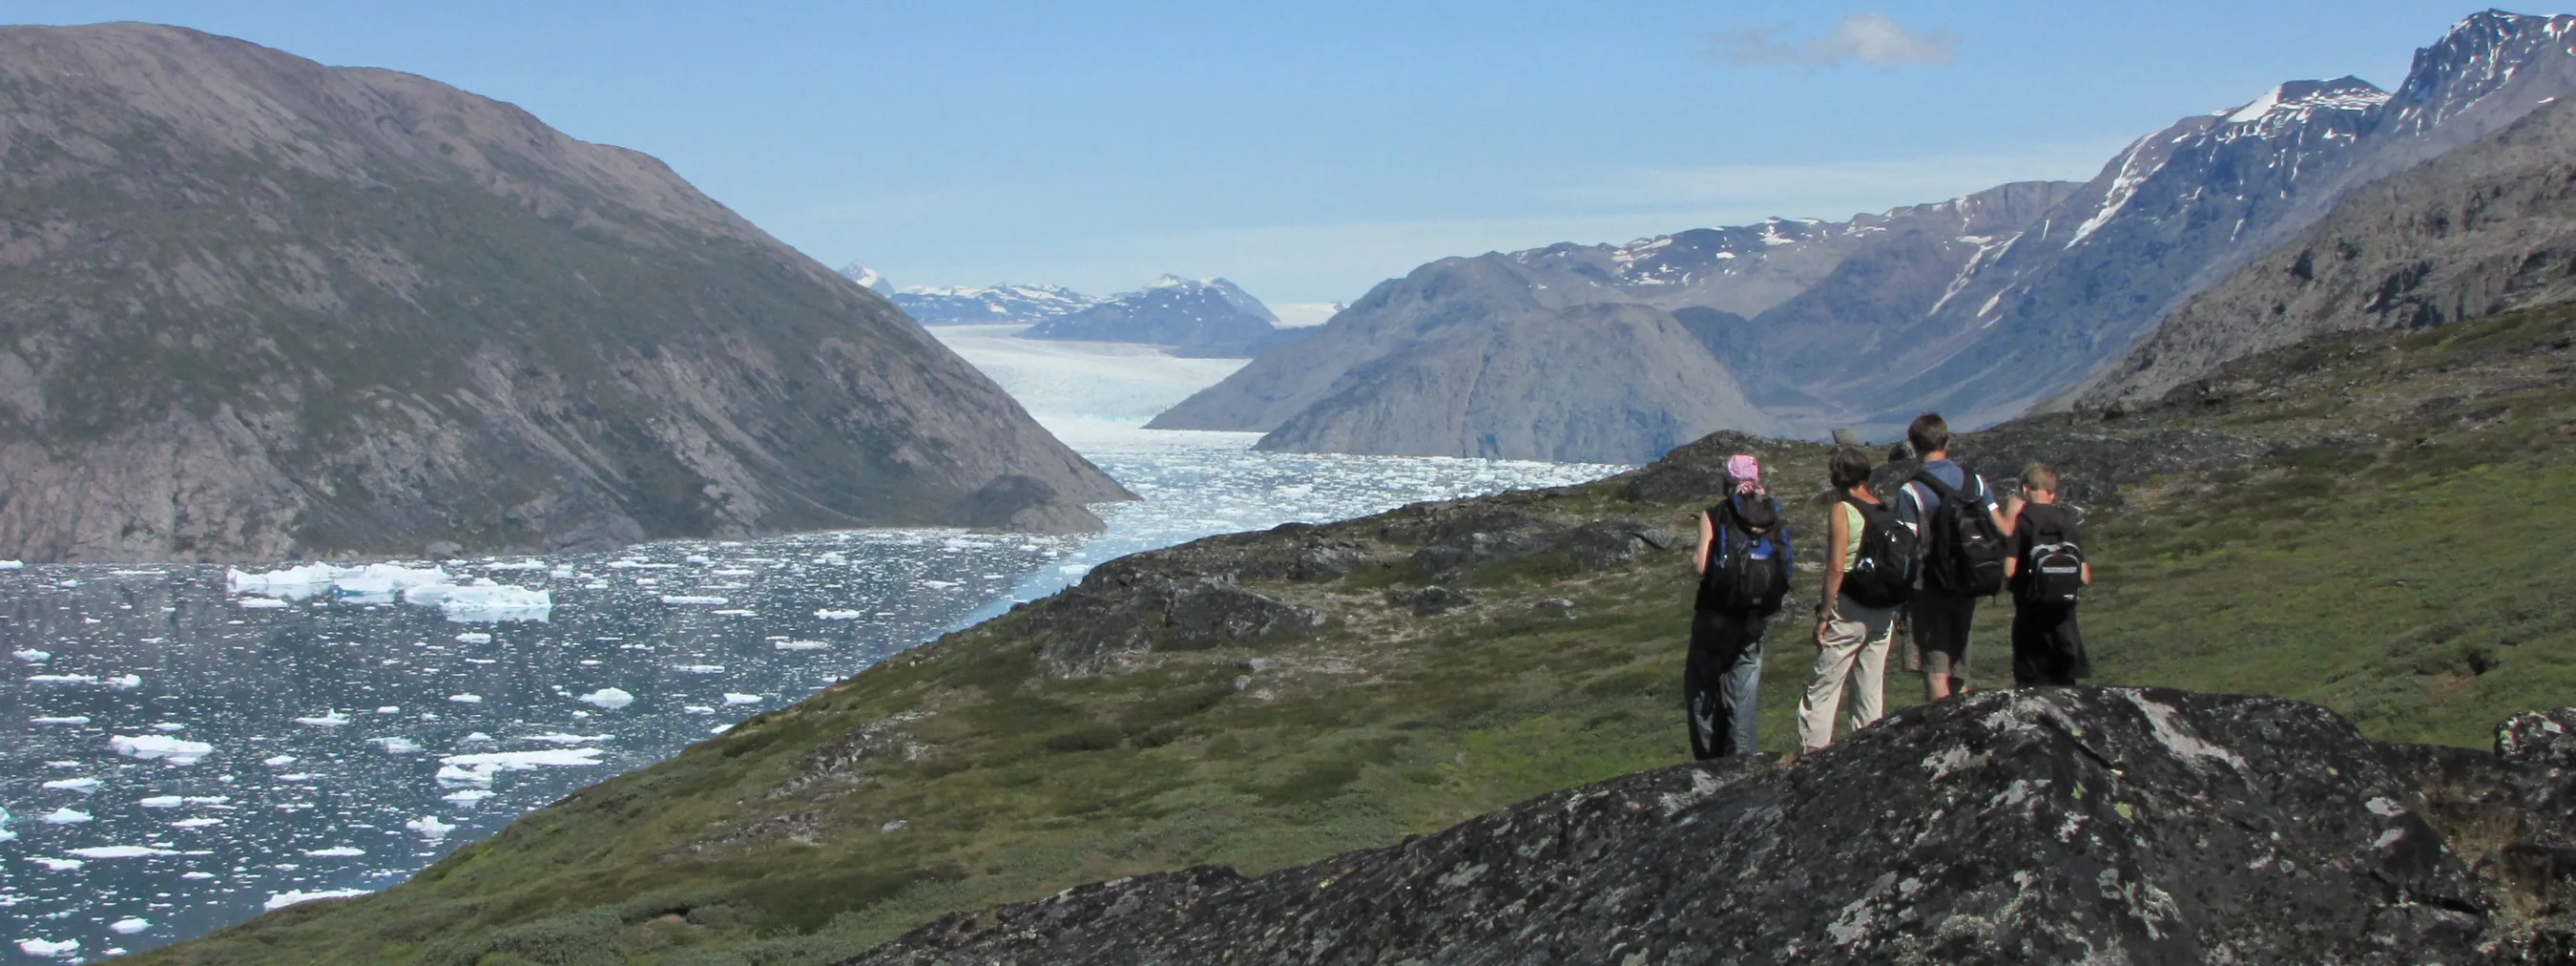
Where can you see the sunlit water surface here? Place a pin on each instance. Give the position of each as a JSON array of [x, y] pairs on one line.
[[183, 753]]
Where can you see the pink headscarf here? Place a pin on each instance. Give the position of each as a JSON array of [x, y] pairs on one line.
[[1745, 472]]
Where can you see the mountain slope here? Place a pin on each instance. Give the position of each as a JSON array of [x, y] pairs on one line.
[[1710, 279], [2182, 208], [2481, 230], [1590, 383], [1204, 318], [1266, 700], [257, 308]]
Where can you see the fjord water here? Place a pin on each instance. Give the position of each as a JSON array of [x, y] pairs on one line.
[[182, 753]]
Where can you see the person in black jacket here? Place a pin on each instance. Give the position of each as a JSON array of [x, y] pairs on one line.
[[1743, 563], [2048, 571]]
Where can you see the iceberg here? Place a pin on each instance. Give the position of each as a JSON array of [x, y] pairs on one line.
[[484, 601], [66, 816], [31, 655], [329, 719], [478, 769], [81, 785], [128, 927], [282, 900], [336, 852], [120, 852], [609, 699], [161, 747], [430, 827], [45, 947], [687, 600]]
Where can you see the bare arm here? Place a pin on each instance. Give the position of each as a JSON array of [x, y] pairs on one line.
[[2088, 573], [1837, 535], [1707, 535]]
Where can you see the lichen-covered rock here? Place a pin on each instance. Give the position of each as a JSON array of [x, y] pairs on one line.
[[2029, 826], [2539, 738]]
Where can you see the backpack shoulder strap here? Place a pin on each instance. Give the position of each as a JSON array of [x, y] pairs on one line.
[[1943, 490]]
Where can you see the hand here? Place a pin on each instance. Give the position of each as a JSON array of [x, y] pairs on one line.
[[1823, 626]]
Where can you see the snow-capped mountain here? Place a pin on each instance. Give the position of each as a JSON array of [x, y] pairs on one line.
[[991, 305], [867, 277], [1203, 317], [1982, 307]]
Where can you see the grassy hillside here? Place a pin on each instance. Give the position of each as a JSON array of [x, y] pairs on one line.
[[2371, 522]]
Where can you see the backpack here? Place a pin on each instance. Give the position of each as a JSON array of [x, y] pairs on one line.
[[2052, 569], [1963, 552], [1882, 573], [1748, 570]]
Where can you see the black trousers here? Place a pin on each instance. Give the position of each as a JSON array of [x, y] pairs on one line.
[[2047, 647], [1722, 682]]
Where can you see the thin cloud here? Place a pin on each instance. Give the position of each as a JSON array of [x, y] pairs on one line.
[[1868, 38]]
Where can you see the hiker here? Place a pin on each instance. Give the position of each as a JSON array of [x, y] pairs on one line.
[[1869, 573], [1961, 535], [2048, 574], [1743, 563]]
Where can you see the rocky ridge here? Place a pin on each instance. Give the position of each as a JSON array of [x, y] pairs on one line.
[[1202, 317], [2048, 825], [258, 308], [2484, 229], [2008, 301]]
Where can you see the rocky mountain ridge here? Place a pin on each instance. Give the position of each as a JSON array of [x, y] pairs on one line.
[[1208, 317], [257, 308], [1868, 322], [2475, 232]]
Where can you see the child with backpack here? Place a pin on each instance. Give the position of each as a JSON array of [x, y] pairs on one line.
[[1743, 563], [1869, 574], [1956, 522], [2048, 574]]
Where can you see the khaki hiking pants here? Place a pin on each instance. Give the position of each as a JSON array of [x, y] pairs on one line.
[[1854, 652]]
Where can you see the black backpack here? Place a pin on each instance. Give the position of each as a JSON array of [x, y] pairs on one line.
[[1882, 573], [1748, 570], [2052, 569], [1963, 552]]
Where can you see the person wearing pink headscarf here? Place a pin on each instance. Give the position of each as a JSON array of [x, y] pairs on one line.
[[1744, 565]]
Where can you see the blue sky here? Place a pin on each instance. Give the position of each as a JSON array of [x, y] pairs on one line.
[[1308, 150]]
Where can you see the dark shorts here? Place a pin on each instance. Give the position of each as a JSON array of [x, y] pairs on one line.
[[2047, 647], [1939, 623]]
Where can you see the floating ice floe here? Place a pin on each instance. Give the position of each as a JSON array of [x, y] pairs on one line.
[[839, 615], [128, 927], [518, 565], [160, 747], [689, 600], [81, 785], [46, 947], [328, 719], [336, 852], [169, 726], [196, 822], [260, 603], [800, 645], [467, 796], [609, 699], [474, 637], [5, 834], [430, 827], [372, 581], [478, 769], [278, 761], [734, 698], [466, 698], [52, 864], [66, 816], [396, 745], [698, 668], [120, 852], [69, 719], [31, 655], [62, 679], [13, 565], [282, 900], [560, 738], [484, 601]]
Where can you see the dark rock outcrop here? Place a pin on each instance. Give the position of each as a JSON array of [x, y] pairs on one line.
[[258, 308], [2032, 826], [2546, 738]]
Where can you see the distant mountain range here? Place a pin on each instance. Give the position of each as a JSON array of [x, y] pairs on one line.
[[1205, 317], [1982, 307], [258, 308]]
